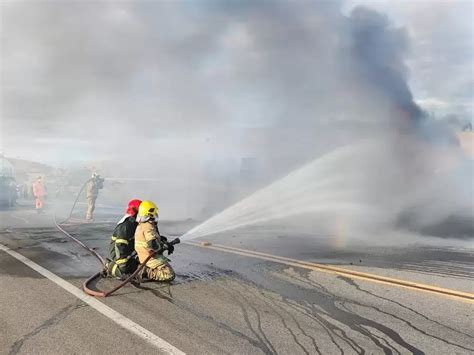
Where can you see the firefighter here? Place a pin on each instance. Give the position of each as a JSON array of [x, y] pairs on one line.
[[123, 260], [39, 192], [93, 186], [148, 240]]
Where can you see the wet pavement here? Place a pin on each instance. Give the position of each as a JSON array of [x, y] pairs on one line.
[[227, 303]]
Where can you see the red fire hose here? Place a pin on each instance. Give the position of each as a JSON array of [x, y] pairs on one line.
[[89, 291], [85, 285], [92, 251], [97, 255], [75, 202]]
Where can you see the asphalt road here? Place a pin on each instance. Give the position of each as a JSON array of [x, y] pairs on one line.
[[224, 302]]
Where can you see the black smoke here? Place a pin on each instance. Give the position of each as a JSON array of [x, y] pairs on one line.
[[378, 51]]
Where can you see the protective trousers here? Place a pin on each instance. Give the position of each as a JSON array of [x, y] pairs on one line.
[[158, 268], [163, 272], [121, 270], [123, 260], [90, 207], [38, 203]]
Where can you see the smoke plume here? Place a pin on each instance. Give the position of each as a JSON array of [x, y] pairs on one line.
[[206, 102]]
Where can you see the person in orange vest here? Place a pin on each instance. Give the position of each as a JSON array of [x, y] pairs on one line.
[[39, 192]]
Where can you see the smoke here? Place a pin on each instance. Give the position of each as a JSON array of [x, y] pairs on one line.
[[211, 100], [379, 51], [89, 68]]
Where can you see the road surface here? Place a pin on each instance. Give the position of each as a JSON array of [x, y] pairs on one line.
[[232, 300]]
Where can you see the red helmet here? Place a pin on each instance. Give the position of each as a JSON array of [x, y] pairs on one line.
[[132, 208]]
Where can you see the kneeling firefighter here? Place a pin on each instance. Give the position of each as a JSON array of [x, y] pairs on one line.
[[123, 260], [148, 240]]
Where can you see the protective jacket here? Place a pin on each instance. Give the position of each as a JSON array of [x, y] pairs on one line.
[[38, 189], [93, 187], [122, 246], [147, 240]]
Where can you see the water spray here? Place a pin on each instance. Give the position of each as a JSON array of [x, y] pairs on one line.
[[316, 187]]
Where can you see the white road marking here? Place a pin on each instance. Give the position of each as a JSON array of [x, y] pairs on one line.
[[115, 316]]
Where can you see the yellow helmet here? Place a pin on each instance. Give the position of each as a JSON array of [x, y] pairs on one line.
[[147, 209]]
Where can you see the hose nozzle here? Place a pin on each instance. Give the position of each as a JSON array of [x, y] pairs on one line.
[[175, 241]]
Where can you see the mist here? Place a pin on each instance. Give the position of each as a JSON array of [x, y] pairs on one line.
[[198, 105]]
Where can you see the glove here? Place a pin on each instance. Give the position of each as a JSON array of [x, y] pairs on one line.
[[170, 248]]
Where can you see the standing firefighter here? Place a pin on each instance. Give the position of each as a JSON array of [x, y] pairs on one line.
[[122, 246], [93, 186], [148, 240], [39, 192]]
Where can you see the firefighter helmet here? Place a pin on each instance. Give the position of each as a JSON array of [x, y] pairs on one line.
[[147, 209], [133, 206]]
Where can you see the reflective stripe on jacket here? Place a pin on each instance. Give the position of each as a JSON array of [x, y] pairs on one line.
[[147, 239], [122, 242]]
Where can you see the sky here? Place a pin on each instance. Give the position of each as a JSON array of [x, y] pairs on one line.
[[90, 80]]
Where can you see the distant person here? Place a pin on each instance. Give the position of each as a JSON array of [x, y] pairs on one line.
[[23, 191], [39, 192], [123, 260], [93, 186], [148, 240]]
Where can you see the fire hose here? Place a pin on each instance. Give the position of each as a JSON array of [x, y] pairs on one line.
[[85, 285], [75, 202], [92, 251]]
